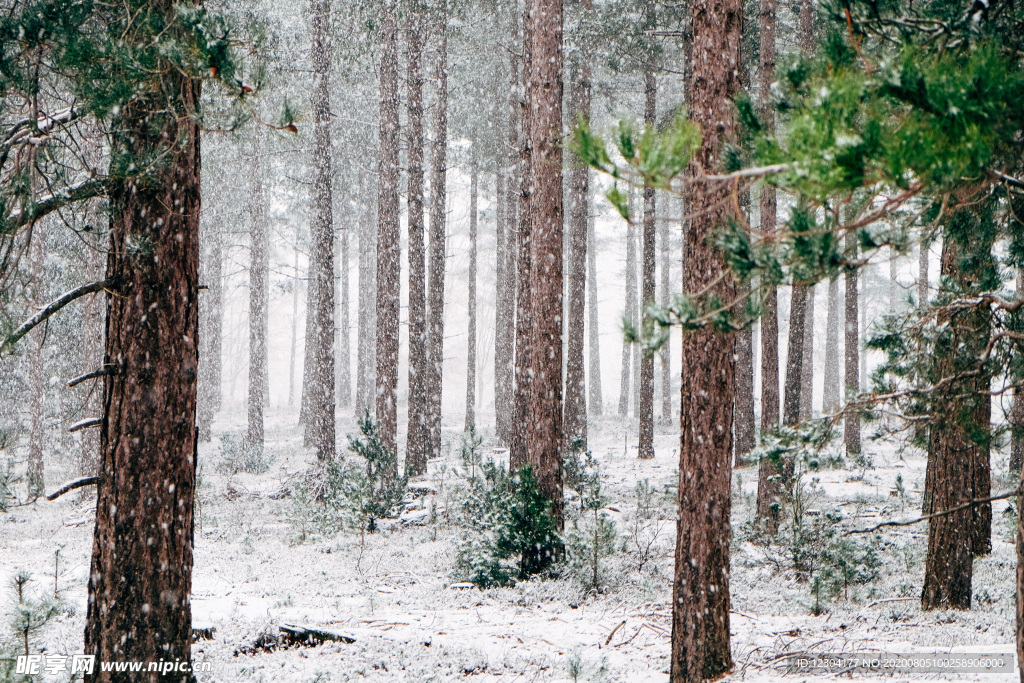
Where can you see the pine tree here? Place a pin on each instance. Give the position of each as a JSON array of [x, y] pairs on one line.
[[645, 414]]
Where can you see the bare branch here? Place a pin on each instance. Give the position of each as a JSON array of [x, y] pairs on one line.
[[72, 485], [909, 522], [49, 310], [85, 424], [108, 369], [87, 189]]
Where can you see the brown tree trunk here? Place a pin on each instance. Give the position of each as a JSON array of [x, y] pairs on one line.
[[579, 210], [320, 325], [438, 237], [1020, 590], [416, 436], [593, 324], [389, 248], [471, 332], [795, 362], [259, 295], [666, 350], [851, 349], [645, 450], [524, 289], [768, 487], [1017, 411], [700, 605], [807, 368], [344, 342], [145, 493], [630, 314], [544, 135], [830, 396]]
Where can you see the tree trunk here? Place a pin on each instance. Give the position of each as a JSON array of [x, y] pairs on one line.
[[502, 325], [645, 450], [1017, 411], [579, 211], [544, 135], [795, 361], [851, 349], [767, 475], [259, 295], [344, 390], [922, 274], [296, 285], [416, 436], [830, 398], [389, 247], [596, 402], [807, 369], [146, 487], [505, 336], [700, 613], [320, 325], [666, 350], [438, 237], [524, 311], [471, 332], [92, 343], [366, 349], [629, 315], [36, 353]]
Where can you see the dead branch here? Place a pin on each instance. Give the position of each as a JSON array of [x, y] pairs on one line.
[[909, 522], [50, 309], [85, 424], [72, 485], [108, 369]]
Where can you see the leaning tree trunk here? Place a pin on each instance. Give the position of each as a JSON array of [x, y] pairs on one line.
[[579, 210], [700, 605], [544, 138], [471, 331], [645, 414], [630, 315], [259, 295], [437, 249], [146, 487], [596, 400], [830, 397], [416, 436], [320, 326], [389, 248]]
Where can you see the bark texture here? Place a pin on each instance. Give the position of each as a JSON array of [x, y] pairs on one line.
[[544, 97], [416, 438], [389, 248], [259, 296], [146, 488], [807, 368], [830, 395], [700, 606], [645, 451], [630, 316], [851, 350]]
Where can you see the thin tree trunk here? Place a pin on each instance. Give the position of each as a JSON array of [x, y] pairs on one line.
[[593, 323], [524, 311], [416, 436], [700, 605], [579, 210], [1017, 411], [37, 366], [320, 325], [92, 351], [851, 349], [389, 249], [471, 332], [145, 493], [437, 248], [259, 295], [296, 285], [544, 134], [830, 398], [768, 484], [626, 383], [502, 347], [366, 350], [666, 350], [344, 390], [807, 369], [645, 450], [795, 361], [922, 274]]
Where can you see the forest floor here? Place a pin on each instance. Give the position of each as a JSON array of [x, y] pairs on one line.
[[395, 593]]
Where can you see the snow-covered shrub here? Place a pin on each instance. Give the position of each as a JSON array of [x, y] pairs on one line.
[[7, 481], [28, 614], [240, 456], [510, 533], [593, 534]]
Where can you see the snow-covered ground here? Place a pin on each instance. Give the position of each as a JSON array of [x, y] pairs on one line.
[[393, 591]]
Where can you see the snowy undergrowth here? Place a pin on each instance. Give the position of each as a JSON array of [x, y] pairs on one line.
[[394, 591]]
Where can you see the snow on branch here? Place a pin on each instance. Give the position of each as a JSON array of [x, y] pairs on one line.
[[49, 309]]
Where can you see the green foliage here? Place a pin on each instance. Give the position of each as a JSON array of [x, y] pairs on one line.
[[593, 534], [511, 534], [28, 614], [8, 479]]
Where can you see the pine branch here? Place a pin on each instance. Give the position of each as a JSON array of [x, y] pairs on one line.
[[72, 485], [87, 189], [909, 522], [49, 310]]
